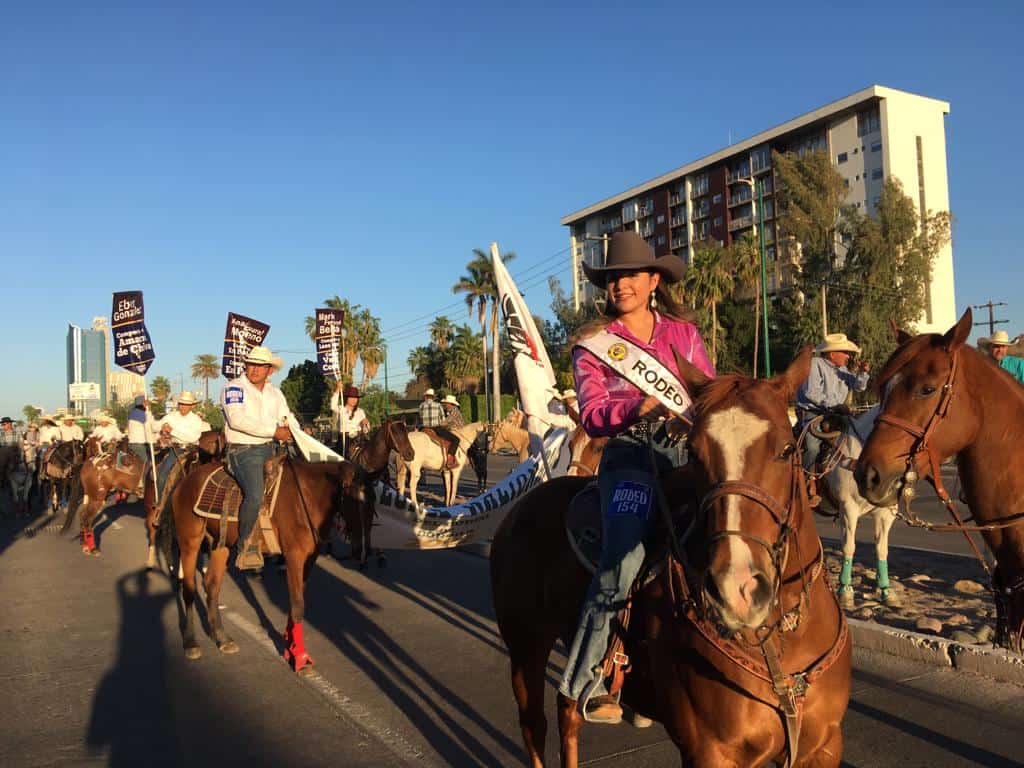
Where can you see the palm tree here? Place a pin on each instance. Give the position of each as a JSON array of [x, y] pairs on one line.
[[462, 361], [745, 256], [707, 282], [31, 413], [368, 342], [441, 331], [206, 367], [476, 286], [161, 388], [482, 266]]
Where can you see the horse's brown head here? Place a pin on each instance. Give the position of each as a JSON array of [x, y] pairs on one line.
[[746, 467], [920, 386], [398, 438]]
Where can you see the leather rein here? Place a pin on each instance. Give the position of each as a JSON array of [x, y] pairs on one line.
[[789, 688]]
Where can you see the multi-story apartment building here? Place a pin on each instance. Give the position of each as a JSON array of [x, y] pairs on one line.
[[122, 386], [872, 135], [87, 364]]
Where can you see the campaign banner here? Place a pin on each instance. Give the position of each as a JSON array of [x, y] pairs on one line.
[[133, 349], [328, 341], [534, 374], [242, 334]]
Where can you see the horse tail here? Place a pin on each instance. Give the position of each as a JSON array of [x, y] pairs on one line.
[[75, 499], [165, 526]]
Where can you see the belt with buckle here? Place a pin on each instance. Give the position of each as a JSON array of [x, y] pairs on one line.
[[642, 430]]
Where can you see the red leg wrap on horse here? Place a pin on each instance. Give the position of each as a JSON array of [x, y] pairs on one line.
[[88, 540], [295, 646]]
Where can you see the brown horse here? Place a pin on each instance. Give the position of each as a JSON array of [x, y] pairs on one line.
[[210, 445], [59, 467], [101, 474], [308, 500], [944, 398], [737, 645], [373, 457], [584, 453]]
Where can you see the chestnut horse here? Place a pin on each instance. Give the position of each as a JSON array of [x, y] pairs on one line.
[[100, 475], [737, 645], [373, 456], [308, 500], [943, 398]]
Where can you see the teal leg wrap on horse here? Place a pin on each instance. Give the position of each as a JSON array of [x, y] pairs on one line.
[[883, 574], [846, 575]]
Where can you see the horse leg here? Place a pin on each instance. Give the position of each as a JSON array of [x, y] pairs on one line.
[[89, 514], [295, 653], [829, 755], [152, 522], [850, 514], [569, 723], [215, 570], [884, 517], [414, 480], [528, 658], [188, 555]]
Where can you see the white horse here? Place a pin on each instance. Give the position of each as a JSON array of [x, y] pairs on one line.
[[843, 490], [430, 456]]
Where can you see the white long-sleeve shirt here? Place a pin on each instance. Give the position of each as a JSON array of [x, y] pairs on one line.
[[74, 432], [107, 433], [252, 416], [350, 424], [49, 435], [140, 426], [185, 429]]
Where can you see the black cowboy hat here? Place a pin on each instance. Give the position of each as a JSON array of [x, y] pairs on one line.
[[350, 392], [626, 251], [6, 420]]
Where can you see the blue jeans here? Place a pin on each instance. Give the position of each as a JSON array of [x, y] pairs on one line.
[[142, 451], [629, 508], [245, 463], [165, 467]]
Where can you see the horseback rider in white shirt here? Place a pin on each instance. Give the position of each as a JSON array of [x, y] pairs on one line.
[[255, 414], [182, 427]]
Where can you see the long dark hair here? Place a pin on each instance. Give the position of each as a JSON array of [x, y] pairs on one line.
[[664, 303]]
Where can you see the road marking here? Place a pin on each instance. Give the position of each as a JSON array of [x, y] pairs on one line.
[[352, 711]]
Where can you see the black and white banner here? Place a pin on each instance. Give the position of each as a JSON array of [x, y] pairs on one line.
[[242, 334], [329, 324], [133, 349]]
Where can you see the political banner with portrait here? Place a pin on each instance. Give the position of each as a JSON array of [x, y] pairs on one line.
[[133, 349], [242, 334]]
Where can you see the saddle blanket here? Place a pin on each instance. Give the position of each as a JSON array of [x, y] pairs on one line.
[[220, 497]]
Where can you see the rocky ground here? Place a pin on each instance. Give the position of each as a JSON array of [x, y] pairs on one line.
[[935, 594]]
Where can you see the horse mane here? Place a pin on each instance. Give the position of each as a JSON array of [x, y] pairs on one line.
[[720, 389], [903, 355]]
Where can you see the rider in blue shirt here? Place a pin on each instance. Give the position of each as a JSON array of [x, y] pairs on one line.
[[999, 345]]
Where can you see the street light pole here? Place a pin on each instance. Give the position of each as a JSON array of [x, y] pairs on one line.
[[764, 278]]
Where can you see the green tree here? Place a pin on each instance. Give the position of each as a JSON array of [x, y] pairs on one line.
[[706, 282], [745, 257], [369, 345], [558, 333], [462, 363], [31, 413], [161, 388], [206, 367], [307, 391]]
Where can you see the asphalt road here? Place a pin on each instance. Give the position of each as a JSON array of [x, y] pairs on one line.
[[411, 671]]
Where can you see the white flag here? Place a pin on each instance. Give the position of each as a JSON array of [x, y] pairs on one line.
[[534, 374]]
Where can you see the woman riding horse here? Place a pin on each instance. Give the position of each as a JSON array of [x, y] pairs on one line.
[[632, 332]]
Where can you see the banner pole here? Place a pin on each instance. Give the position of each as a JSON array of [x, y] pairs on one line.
[[149, 442]]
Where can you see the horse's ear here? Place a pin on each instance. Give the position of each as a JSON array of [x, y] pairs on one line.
[[955, 337], [901, 336], [693, 377], [796, 374]]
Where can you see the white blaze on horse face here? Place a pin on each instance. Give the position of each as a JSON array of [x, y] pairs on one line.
[[734, 430]]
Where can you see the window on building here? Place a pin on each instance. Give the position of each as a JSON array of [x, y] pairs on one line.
[[868, 122], [769, 253], [846, 183], [841, 158], [760, 159], [716, 199], [876, 146], [699, 185], [661, 218], [855, 150], [716, 222], [876, 174], [661, 239], [874, 201]]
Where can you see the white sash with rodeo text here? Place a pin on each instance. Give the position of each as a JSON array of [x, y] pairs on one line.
[[639, 368]]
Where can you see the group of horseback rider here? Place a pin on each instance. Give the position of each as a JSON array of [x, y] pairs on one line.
[[629, 391]]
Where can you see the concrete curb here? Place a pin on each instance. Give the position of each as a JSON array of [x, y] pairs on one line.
[[995, 663]]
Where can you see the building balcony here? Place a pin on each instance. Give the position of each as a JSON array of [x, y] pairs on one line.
[[679, 221], [741, 222], [731, 177], [646, 231], [679, 242], [677, 199], [700, 214], [743, 197]]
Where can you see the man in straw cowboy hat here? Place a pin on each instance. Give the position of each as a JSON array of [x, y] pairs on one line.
[[255, 414], [182, 427], [432, 424], [998, 346], [69, 430], [452, 413], [106, 430], [829, 385]]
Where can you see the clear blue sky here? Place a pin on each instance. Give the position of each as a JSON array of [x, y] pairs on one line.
[[260, 157]]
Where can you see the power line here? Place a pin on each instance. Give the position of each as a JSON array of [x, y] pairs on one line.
[[992, 322]]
